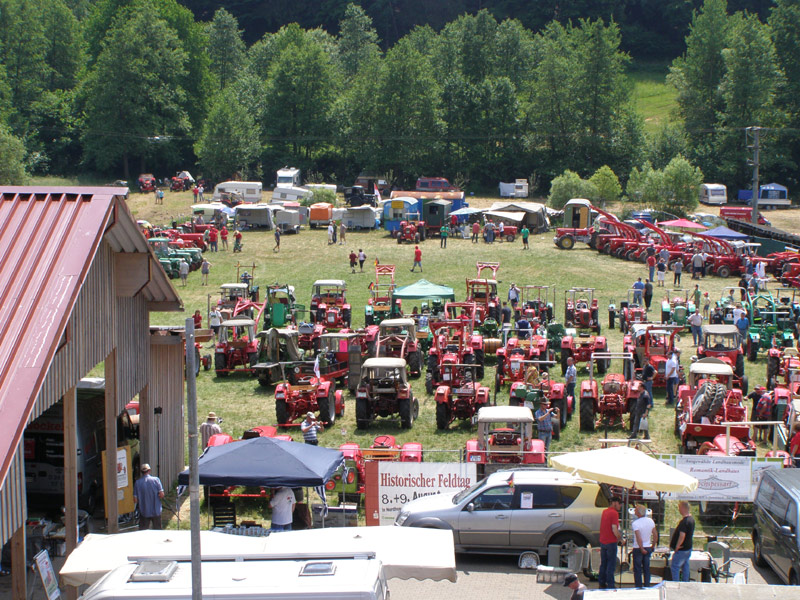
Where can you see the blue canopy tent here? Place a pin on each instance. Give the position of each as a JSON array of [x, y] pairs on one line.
[[266, 462], [724, 233]]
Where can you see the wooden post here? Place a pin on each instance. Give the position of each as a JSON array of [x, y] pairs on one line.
[[19, 568], [71, 477], [112, 508]]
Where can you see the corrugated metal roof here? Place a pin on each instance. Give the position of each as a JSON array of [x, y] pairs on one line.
[[48, 239]]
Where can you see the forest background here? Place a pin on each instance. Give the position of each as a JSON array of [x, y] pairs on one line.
[[479, 91]]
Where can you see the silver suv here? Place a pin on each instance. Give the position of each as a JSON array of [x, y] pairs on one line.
[[512, 511]]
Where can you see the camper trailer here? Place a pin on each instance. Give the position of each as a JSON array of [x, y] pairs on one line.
[[288, 177], [713, 193], [288, 221], [254, 216], [291, 194], [236, 192]]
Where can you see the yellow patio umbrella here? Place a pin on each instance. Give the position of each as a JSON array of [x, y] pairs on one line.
[[625, 467]]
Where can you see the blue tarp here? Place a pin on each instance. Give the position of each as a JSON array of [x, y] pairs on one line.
[[266, 462], [724, 233]]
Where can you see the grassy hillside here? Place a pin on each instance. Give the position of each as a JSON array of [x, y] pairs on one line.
[[653, 98]]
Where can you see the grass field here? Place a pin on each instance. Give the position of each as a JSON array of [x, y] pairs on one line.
[[652, 97], [307, 256]]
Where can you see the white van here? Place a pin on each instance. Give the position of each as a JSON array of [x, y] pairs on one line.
[[291, 194], [247, 191], [288, 177], [713, 193]]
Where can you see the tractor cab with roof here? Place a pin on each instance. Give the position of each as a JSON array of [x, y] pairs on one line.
[[708, 405], [677, 306], [729, 298], [725, 343], [237, 347], [396, 338], [384, 391], [580, 224], [630, 311], [230, 294], [505, 436], [276, 346], [656, 343], [483, 292], [329, 304], [382, 304]]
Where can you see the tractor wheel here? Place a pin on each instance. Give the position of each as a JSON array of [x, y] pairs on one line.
[[587, 414], [327, 411], [480, 357], [772, 371], [362, 413], [399, 238], [432, 362], [416, 238], [606, 249], [565, 354], [566, 243], [369, 320], [745, 385], [702, 401], [406, 417], [739, 370], [611, 319], [603, 364], [442, 415], [619, 252], [562, 411], [630, 255], [414, 360], [429, 383], [220, 365], [264, 380], [281, 412], [510, 237], [752, 350], [717, 401], [206, 362], [676, 429], [724, 271], [621, 323], [346, 316], [252, 359], [628, 371], [557, 430]]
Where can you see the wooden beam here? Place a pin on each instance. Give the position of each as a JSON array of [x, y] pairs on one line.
[[112, 507], [19, 569], [164, 306], [131, 273], [70, 402]]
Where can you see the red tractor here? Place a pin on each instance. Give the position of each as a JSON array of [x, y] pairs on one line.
[[303, 391], [505, 436], [630, 311], [706, 401], [579, 224], [384, 391], [349, 480], [783, 368], [725, 343], [483, 292], [580, 309], [412, 232], [538, 386], [657, 343], [461, 397], [146, 183], [237, 346], [537, 298], [396, 338], [329, 305], [382, 303], [517, 353], [605, 403], [451, 348]]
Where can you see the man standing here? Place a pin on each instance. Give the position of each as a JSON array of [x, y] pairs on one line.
[[643, 537], [661, 272], [330, 233], [648, 374], [651, 266], [648, 293], [572, 582], [209, 428], [681, 544], [742, 324], [609, 538], [505, 314], [697, 264], [697, 295], [342, 232], [183, 270], [362, 256], [215, 319], [147, 494], [200, 190], [664, 255], [213, 234], [638, 288], [695, 321], [310, 426], [476, 231], [417, 260], [672, 378], [283, 503], [277, 247], [677, 269], [205, 269], [639, 410], [513, 296], [571, 377], [525, 234], [544, 423], [444, 231]]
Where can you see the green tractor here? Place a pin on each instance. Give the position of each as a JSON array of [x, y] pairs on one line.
[[166, 255], [771, 325], [280, 308]]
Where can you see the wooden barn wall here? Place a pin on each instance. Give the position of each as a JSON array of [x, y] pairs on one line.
[[89, 336], [163, 437], [133, 348], [13, 508]]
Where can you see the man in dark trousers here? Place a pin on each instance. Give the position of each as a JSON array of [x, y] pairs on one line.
[[610, 536], [640, 408], [648, 374], [648, 293], [681, 544]]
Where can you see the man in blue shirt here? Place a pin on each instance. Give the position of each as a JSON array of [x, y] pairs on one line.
[[743, 324], [571, 377], [148, 493], [637, 294], [544, 423]]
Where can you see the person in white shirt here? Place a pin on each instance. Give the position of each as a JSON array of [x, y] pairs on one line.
[[215, 320], [643, 539], [695, 321], [282, 504], [672, 375], [738, 312]]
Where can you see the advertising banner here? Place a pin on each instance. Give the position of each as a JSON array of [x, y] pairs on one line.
[[391, 484]]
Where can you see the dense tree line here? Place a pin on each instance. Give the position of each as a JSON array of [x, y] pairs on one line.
[[122, 86]]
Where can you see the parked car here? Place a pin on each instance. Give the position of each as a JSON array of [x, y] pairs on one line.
[[776, 512], [514, 510]]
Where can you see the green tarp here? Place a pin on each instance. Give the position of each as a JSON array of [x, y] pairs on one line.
[[424, 289]]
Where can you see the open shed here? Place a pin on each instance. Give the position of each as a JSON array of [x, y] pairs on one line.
[[78, 284], [532, 214]]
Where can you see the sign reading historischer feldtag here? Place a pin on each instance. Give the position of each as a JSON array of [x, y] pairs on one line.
[[392, 484]]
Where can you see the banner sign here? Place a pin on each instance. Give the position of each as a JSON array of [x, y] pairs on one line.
[[389, 485]]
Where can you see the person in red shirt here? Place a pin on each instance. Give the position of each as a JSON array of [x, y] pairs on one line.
[[651, 265], [794, 448], [198, 320], [417, 259], [476, 231], [223, 235], [212, 238], [237, 241], [609, 538]]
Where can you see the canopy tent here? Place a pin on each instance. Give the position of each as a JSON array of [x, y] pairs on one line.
[[515, 217], [466, 211], [406, 552], [532, 214], [626, 467], [266, 462], [724, 233], [681, 224], [424, 289]]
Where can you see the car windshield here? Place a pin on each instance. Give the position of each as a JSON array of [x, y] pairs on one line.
[[467, 491]]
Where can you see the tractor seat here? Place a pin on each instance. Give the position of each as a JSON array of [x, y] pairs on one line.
[[504, 438], [451, 348], [611, 387], [582, 306]]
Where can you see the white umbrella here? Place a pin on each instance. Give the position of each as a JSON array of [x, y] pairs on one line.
[[625, 467]]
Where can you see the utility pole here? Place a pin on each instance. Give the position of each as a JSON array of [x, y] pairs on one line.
[[754, 133]]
